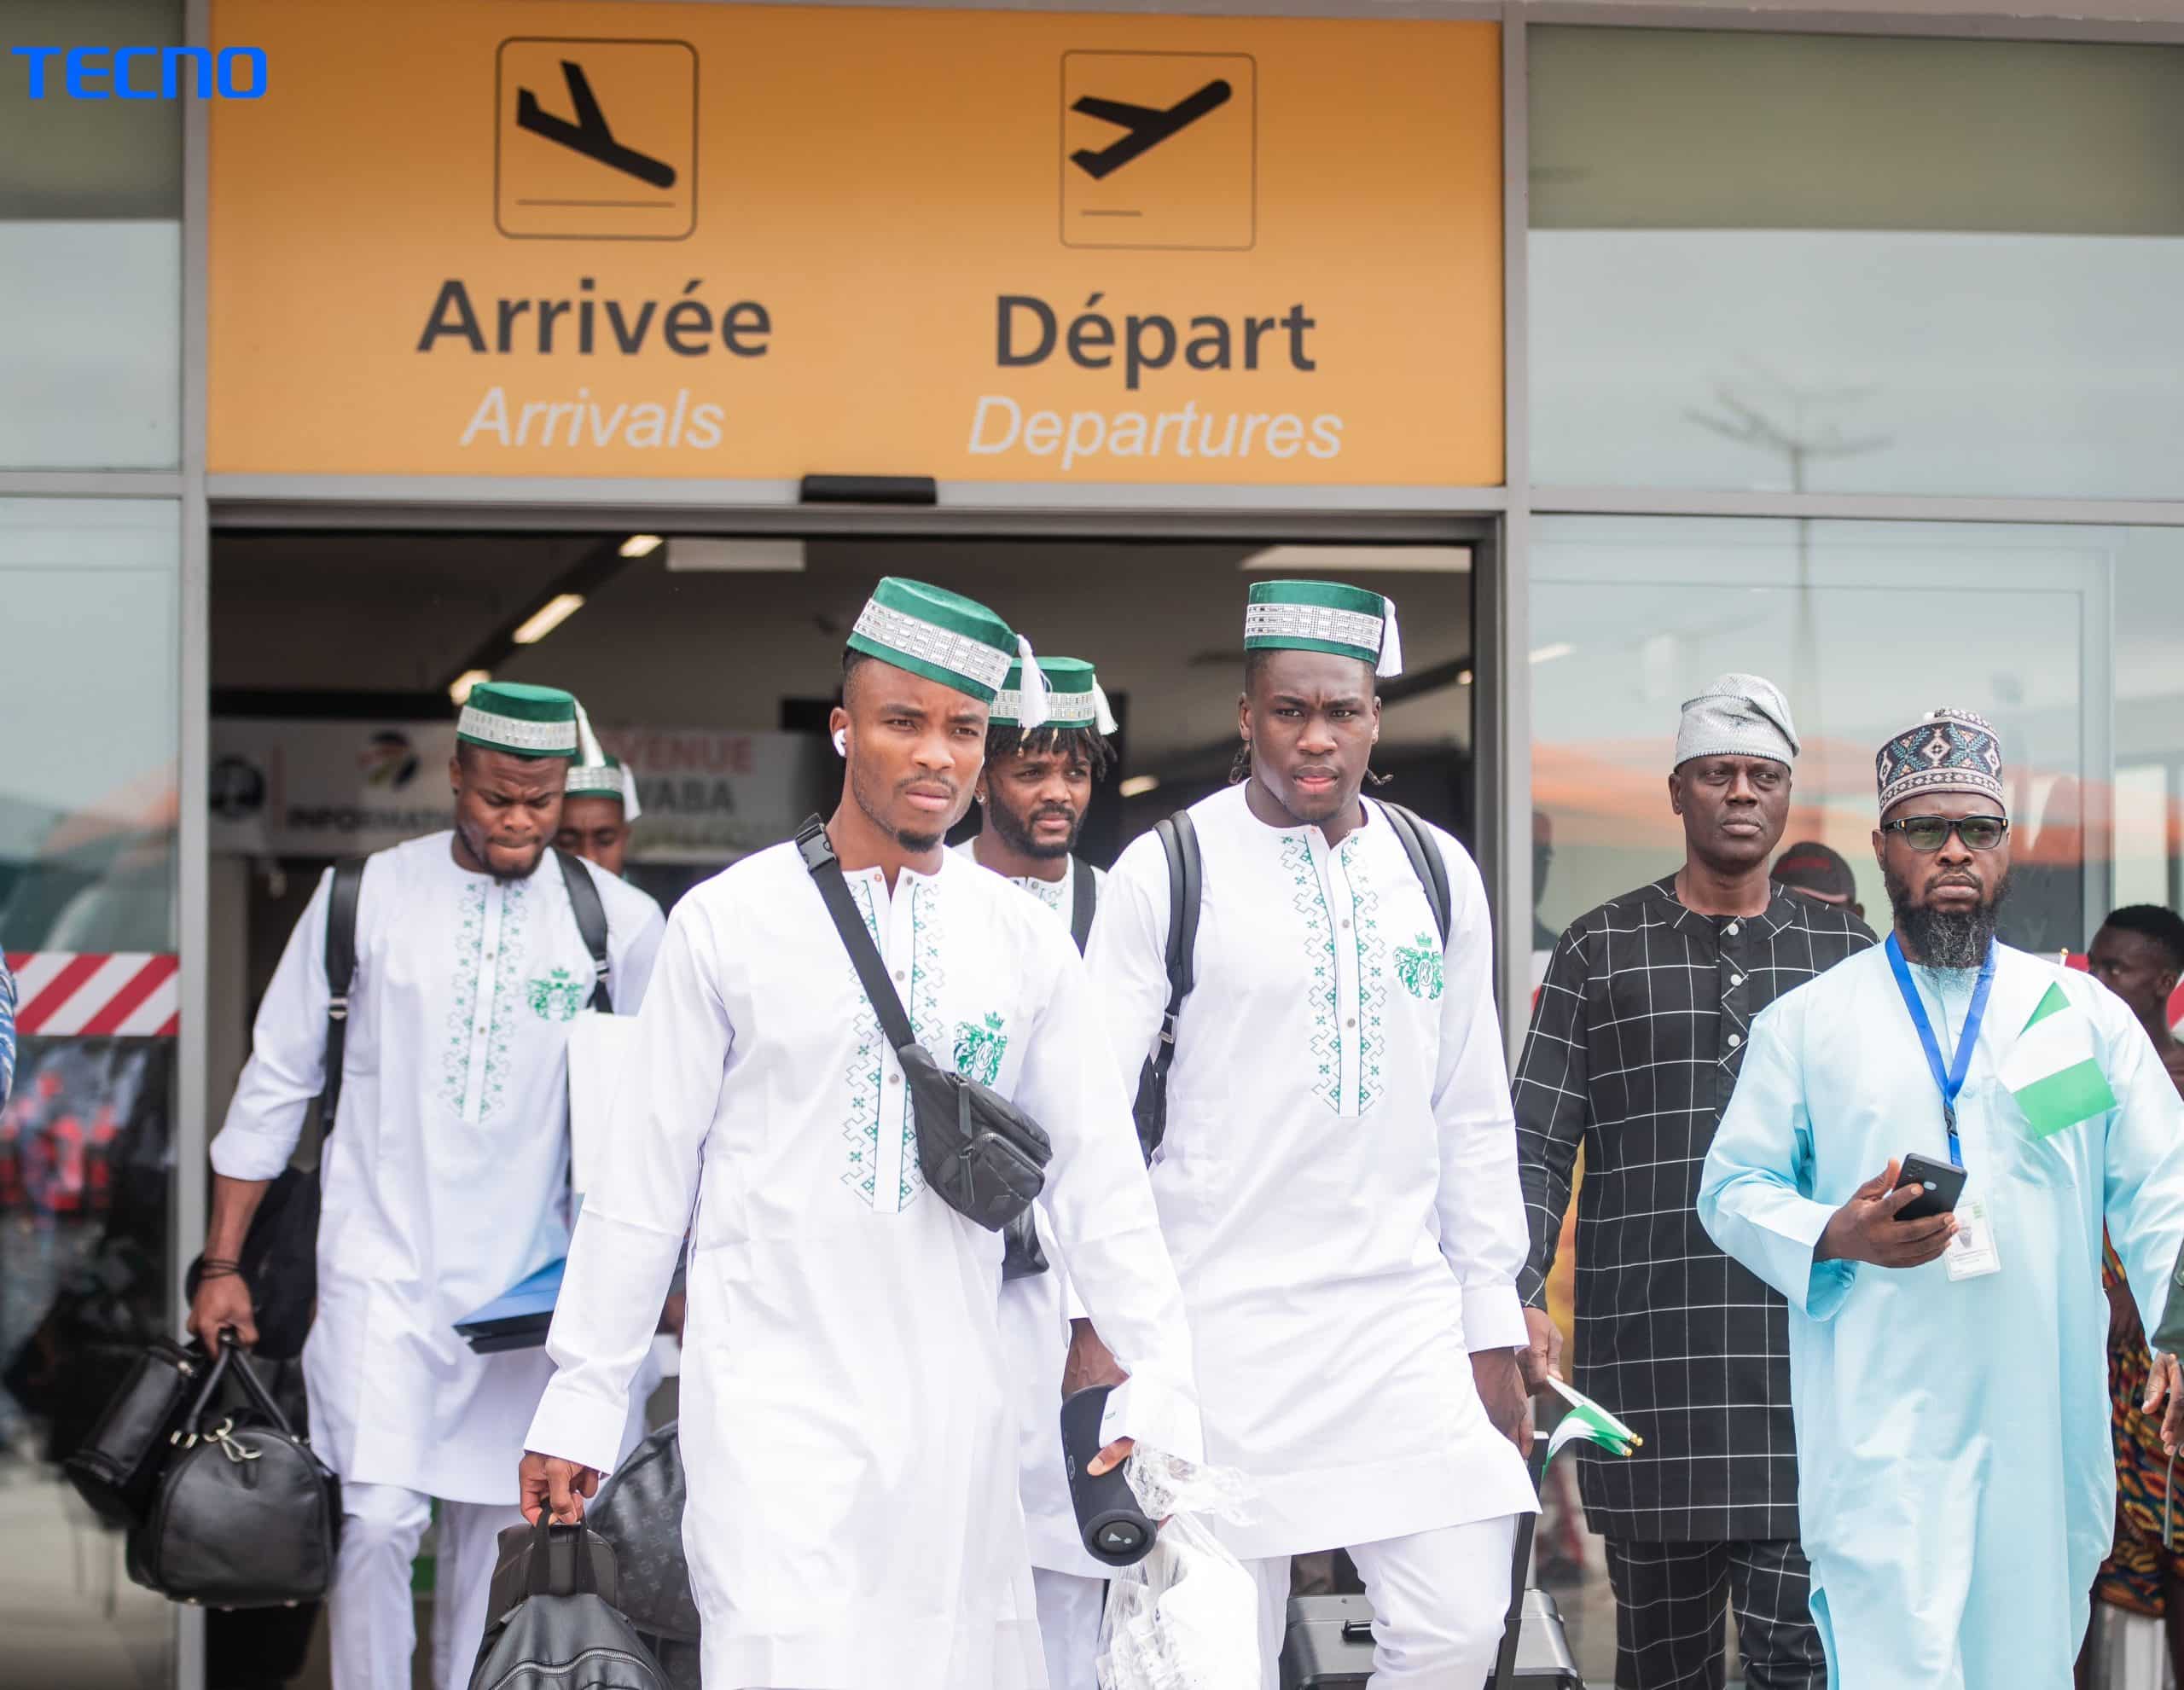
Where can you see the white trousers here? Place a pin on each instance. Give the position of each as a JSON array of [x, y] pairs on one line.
[[370, 1617], [1070, 1608], [1440, 1601]]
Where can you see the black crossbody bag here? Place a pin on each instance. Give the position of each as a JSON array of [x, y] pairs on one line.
[[984, 1157]]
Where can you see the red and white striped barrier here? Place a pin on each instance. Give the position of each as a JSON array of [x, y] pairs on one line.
[[129, 993]]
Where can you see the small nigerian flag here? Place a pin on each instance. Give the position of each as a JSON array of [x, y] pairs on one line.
[[2052, 1069], [1588, 1422]]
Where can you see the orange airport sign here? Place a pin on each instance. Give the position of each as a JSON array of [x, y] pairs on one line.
[[707, 242]]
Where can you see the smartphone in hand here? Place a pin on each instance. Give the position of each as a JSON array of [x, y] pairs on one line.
[[1941, 1185]]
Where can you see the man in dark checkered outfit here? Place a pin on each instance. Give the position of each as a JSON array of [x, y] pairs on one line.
[[1634, 1047]]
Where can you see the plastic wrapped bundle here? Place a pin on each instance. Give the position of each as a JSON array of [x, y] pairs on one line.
[[1187, 1616]]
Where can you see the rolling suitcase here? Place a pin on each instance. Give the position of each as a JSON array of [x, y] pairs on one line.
[[1544, 1660], [1329, 1646]]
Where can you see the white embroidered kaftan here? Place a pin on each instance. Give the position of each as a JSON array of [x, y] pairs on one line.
[[445, 1180], [850, 1439], [1339, 1180]]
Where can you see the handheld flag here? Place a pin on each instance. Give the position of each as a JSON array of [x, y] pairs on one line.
[[2052, 1069], [1588, 1422]]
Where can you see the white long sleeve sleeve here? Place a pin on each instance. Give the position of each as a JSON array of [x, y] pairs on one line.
[[1104, 1223], [630, 1233], [1485, 1237], [287, 1068], [1127, 956]]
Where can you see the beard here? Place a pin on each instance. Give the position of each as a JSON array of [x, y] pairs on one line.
[[914, 840], [1016, 833], [1946, 938]]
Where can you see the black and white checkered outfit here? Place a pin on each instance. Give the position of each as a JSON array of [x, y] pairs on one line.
[[1668, 1615], [1634, 1047]]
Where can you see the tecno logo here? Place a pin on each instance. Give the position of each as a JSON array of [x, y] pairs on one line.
[[145, 73]]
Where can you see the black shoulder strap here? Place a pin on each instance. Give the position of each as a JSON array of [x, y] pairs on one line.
[[856, 938], [340, 975], [1084, 901], [1178, 837], [1426, 862], [1185, 891], [591, 922], [1179, 842]]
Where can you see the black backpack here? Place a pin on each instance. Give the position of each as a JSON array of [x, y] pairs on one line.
[[279, 1253], [565, 1632], [1178, 837]]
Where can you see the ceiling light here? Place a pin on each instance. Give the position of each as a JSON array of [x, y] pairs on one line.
[[690, 555], [1138, 784], [459, 690], [1318, 561], [547, 617], [1463, 677], [1548, 653], [640, 545]]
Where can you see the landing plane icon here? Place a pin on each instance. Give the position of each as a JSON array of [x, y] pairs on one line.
[[1147, 126], [590, 134]]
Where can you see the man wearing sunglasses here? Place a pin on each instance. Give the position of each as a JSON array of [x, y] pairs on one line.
[[1948, 1369]]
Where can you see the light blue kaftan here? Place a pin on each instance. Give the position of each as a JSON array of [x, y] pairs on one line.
[[1957, 1487]]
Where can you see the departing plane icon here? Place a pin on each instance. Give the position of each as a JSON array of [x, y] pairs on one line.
[[589, 134], [1148, 126]]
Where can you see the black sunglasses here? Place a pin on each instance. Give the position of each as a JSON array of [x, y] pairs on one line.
[[1931, 833]]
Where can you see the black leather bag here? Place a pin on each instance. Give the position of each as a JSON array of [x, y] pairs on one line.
[[565, 1634], [984, 1157], [639, 1511], [245, 1515], [116, 1469]]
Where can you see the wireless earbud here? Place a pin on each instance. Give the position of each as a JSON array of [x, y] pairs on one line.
[[841, 743]]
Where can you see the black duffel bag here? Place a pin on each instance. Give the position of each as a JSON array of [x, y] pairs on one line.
[[983, 1156], [639, 1511], [245, 1515]]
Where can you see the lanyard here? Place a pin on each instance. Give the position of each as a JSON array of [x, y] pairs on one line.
[[1949, 1079]]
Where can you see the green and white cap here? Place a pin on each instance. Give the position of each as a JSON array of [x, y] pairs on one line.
[[609, 777], [521, 720], [1075, 697], [948, 638], [1324, 616]]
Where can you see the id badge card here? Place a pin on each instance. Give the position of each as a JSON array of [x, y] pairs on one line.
[[1971, 1254]]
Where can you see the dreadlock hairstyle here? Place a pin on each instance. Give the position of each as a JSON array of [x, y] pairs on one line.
[[1239, 768], [1010, 741]]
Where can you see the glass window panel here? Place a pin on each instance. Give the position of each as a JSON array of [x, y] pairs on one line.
[[2064, 637], [1841, 263], [87, 865], [91, 254]]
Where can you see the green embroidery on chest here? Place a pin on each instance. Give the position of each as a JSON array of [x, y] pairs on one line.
[[866, 1073], [557, 997], [979, 1049], [1317, 930], [1419, 968], [478, 1094]]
